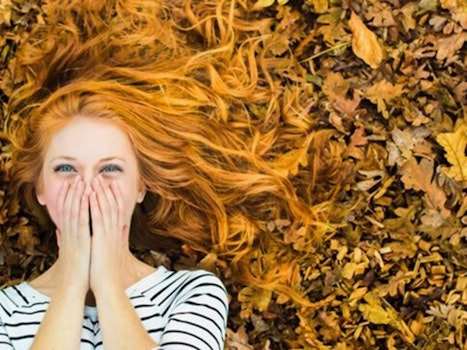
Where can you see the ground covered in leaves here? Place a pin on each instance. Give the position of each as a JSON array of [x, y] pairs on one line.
[[382, 134]]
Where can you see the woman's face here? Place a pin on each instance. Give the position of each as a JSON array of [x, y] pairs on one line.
[[87, 147]]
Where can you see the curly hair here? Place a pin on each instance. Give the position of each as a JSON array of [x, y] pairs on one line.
[[178, 79]]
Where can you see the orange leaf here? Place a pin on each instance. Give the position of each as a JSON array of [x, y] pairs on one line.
[[364, 42]]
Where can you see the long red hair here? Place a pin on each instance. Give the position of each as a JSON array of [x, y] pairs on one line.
[[196, 98]]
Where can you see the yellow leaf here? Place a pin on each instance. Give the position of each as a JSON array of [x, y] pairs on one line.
[[320, 6], [258, 298], [364, 42], [260, 4], [290, 161], [333, 28], [454, 145], [448, 4], [381, 93], [5, 13], [375, 314]]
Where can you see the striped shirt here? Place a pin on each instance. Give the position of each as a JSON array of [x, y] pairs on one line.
[[180, 310]]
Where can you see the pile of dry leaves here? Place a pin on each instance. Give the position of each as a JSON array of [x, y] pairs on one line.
[[382, 135]]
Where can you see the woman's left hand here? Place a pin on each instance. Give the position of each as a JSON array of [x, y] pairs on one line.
[[109, 246]]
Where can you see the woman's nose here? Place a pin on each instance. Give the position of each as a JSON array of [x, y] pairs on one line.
[[87, 183], [87, 188]]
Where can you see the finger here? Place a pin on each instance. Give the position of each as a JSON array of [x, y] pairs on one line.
[[118, 197], [84, 216], [75, 208], [67, 205], [96, 216], [101, 205], [111, 205], [60, 202], [106, 204]]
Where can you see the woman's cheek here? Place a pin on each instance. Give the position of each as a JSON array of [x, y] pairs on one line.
[[128, 199], [128, 207], [52, 201]]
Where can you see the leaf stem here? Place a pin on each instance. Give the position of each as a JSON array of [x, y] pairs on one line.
[[332, 48]]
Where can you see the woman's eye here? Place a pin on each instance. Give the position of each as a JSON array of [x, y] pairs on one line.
[[65, 168], [111, 168]]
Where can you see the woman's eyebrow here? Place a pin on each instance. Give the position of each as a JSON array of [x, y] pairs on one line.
[[100, 161], [112, 158], [63, 157]]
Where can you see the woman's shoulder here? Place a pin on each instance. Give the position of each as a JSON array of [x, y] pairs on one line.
[[182, 282], [191, 278], [191, 289]]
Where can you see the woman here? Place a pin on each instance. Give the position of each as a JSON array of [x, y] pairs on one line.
[[89, 183]]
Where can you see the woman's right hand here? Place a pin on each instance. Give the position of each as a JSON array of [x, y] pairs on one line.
[[73, 235], [62, 324]]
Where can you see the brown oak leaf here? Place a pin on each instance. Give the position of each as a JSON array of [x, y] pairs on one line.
[[447, 47], [356, 140], [381, 93], [333, 28], [418, 176]]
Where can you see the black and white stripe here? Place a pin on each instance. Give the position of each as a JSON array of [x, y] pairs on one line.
[[180, 310]]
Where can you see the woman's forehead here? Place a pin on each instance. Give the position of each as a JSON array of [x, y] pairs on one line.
[[84, 136]]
